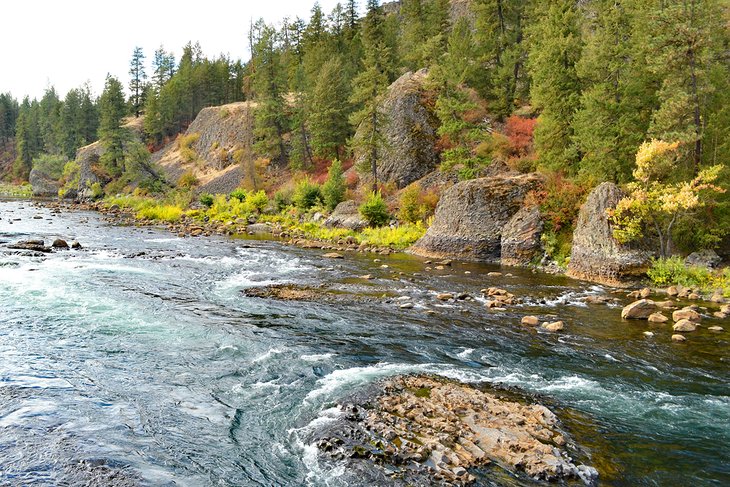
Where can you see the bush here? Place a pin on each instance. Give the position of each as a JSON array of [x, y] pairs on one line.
[[96, 191], [206, 199], [400, 237], [664, 272], [70, 178], [166, 213], [258, 200], [185, 145], [50, 165], [520, 132], [306, 194], [416, 204], [187, 180], [334, 188], [282, 199], [374, 210], [239, 194]]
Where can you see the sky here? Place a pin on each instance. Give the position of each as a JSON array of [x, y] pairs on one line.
[[66, 43]]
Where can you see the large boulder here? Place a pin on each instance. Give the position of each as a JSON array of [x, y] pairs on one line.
[[703, 258], [408, 153], [471, 216], [521, 237], [87, 158], [43, 185], [596, 255], [346, 215]]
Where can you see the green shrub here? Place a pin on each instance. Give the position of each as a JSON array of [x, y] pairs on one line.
[[258, 200], [374, 210], [400, 237], [187, 180], [334, 188], [50, 165], [70, 178], [206, 199], [307, 194], [239, 194], [282, 199], [665, 272], [96, 191], [166, 213]]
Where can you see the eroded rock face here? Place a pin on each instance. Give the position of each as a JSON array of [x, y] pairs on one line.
[[472, 215], [43, 184], [521, 237], [410, 133], [596, 255], [437, 429], [346, 215]]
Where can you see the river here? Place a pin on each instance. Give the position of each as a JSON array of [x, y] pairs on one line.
[[138, 361]]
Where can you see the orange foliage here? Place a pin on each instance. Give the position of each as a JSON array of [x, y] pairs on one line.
[[520, 132]]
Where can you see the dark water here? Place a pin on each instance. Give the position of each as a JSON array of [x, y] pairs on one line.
[[125, 369]]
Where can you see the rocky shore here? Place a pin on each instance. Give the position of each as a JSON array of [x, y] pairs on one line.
[[423, 430]]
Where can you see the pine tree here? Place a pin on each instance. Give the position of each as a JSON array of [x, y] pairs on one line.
[[613, 115], [163, 65], [329, 109], [555, 47], [111, 133], [368, 90], [138, 81], [8, 116]]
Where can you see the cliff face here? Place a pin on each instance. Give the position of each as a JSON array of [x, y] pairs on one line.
[[212, 148]]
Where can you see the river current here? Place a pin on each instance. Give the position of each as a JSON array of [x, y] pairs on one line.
[[139, 361]]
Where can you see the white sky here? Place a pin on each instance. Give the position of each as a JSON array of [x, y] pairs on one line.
[[64, 43]]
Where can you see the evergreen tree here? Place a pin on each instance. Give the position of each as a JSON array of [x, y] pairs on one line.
[[555, 47], [268, 84], [329, 111], [368, 89], [163, 65], [137, 82], [111, 133], [50, 122], [8, 116]]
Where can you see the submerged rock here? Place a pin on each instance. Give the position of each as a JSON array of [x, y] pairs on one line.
[[657, 318], [471, 217], [431, 431], [597, 256]]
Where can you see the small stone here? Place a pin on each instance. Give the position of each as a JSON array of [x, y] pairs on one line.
[[657, 318], [494, 274], [694, 297], [719, 314], [59, 244], [639, 310], [439, 267], [467, 272], [366, 277], [462, 296], [333, 255], [444, 262], [645, 293], [648, 334], [530, 320], [385, 266], [554, 326], [679, 338], [717, 298], [672, 291], [716, 328], [444, 296], [406, 306], [666, 304], [75, 245], [684, 326]]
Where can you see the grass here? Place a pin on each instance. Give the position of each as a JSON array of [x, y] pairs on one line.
[[146, 208], [165, 213], [16, 191]]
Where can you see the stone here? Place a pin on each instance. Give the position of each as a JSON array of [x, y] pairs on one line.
[[43, 184], [694, 296], [471, 216], [494, 274], [554, 326], [684, 326], [259, 229], [346, 215], [530, 320], [596, 299], [666, 304], [648, 334], [672, 291], [657, 318], [333, 255], [75, 245], [639, 310], [444, 296], [719, 314], [725, 309], [409, 152], [59, 243], [679, 338], [521, 243], [596, 255], [703, 258], [406, 306], [716, 328], [686, 314], [367, 277], [32, 245], [645, 293], [717, 298]]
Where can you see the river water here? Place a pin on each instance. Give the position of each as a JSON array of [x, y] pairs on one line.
[[138, 360]]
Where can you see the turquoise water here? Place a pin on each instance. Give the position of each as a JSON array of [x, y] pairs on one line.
[[138, 361]]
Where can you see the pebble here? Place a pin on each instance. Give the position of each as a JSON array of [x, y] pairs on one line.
[[406, 306], [679, 338], [530, 320], [648, 334], [554, 326], [716, 328]]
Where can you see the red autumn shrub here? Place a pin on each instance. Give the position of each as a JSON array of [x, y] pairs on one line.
[[520, 131]]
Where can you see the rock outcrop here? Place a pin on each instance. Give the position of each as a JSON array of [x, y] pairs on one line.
[[472, 215], [703, 258], [346, 215], [87, 158], [596, 255], [43, 185], [521, 237], [409, 151]]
